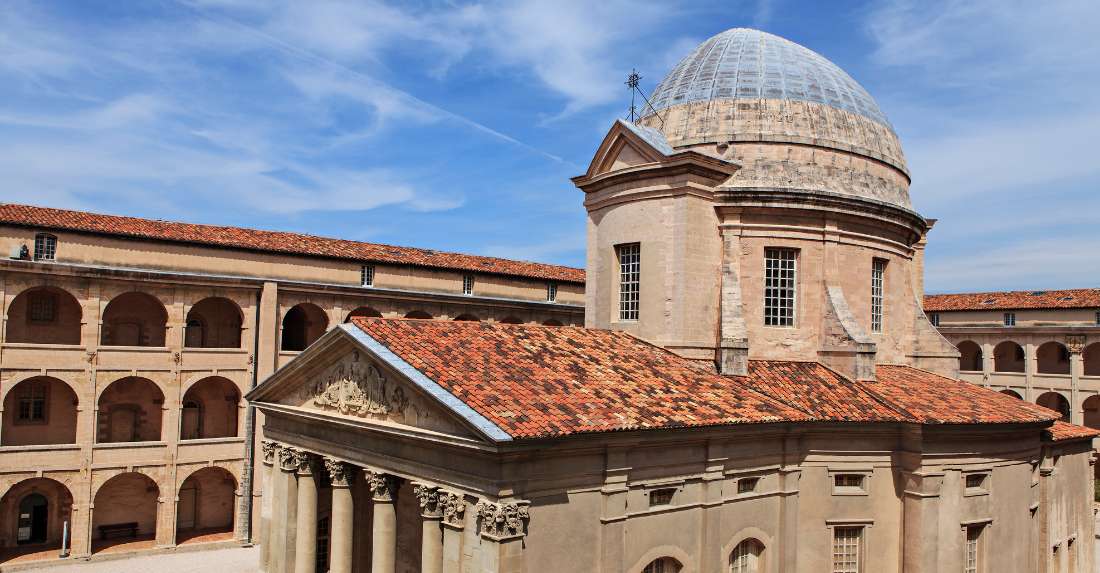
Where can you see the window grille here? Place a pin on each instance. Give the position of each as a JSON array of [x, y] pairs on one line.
[[878, 270], [366, 275], [467, 284], [1010, 319], [1098, 317], [663, 565], [45, 247], [629, 280], [42, 307], [745, 557], [661, 496], [747, 485], [780, 286], [552, 292], [847, 543], [973, 556], [934, 318], [848, 481], [32, 403]]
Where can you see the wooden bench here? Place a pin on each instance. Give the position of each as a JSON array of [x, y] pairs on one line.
[[118, 530]]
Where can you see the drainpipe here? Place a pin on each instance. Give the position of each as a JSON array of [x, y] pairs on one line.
[[245, 510]]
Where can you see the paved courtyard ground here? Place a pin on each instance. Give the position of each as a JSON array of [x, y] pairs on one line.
[[235, 559]]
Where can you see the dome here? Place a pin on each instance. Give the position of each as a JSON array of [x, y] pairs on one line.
[[790, 117], [750, 64]]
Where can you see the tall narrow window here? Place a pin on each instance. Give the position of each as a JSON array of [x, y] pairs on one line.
[[551, 292], [878, 271], [467, 284], [746, 557], [934, 318], [45, 247], [1010, 319], [1098, 318], [973, 549], [31, 404], [42, 307], [847, 542], [780, 286], [366, 275], [630, 277]]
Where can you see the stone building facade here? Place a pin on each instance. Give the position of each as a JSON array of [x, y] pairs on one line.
[[127, 345], [756, 388]]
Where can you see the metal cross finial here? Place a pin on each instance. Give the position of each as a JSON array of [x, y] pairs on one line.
[[632, 79]]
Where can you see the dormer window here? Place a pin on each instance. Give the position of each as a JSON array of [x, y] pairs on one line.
[[45, 247], [467, 284], [551, 292], [366, 275], [1010, 319]]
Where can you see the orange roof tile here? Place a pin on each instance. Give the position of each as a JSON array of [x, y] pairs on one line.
[[276, 241], [534, 381], [1064, 432], [1014, 300]]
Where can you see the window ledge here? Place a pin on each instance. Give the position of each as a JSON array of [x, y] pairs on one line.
[[122, 445], [233, 350], [151, 349], [42, 346], [39, 447], [199, 441]]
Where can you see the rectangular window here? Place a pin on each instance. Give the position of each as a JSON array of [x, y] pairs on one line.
[[31, 403], [848, 483], [975, 483], [847, 549], [973, 549], [42, 307], [780, 286], [747, 485], [878, 271], [366, 275], [1098, 317], [45, 247], [661, 496], [467, 284], [551, 292], [1010, 319], [934, 318], [630, 278]]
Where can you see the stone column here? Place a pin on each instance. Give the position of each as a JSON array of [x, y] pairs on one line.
[[284, 519], [383, 489], [278, 507], [1076, 346], [305, 545], [503, 527], [342, 522], [268, 449], [431, 538], [454, 522]]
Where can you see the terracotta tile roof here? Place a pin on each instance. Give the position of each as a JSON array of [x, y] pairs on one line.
[[276, 241], [551, 381], [1014, 300], [1064, 432]]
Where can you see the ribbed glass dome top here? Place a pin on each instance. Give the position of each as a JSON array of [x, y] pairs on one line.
[[741, 63]]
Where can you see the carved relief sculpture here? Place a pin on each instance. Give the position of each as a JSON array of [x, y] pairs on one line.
[[270, 450], [339, 473], [383, 487], [454, 509], [428, 497], [502, 520], [288, 458]]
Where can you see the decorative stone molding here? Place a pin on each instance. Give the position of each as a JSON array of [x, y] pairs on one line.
[[288, 458], [428, 497], [454, 509], [356, 387], [339, 473], [270, 451], [1075, 343], [383, 487], [304, 461], [501, 521]]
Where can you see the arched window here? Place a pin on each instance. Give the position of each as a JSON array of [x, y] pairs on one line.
[[510, 320], [1056, 402], [746, 557], [1052, 358], [1008, 357], [130, 410], [134, 319], [213, 322], [1012, 393], [663, 565], [467, 318], [210, 409], [303, 325], [1091, 406], [552, 322], [39, 411], [44, 315], [1091, 358], [970, 356], [365, 312], [418, 314], [206, 503]]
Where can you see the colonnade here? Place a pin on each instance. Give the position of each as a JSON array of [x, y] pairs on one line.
[[289, 516]]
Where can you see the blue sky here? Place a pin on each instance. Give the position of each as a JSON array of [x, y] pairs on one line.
[[456, 125]]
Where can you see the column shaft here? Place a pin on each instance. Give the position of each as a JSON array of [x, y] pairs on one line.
[[278, 519], [431, 546], [384, 553], [305, 552], [265, 512], [342, 529]]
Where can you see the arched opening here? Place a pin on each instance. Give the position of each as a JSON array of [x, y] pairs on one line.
[[44, 315], [303, 325], [552, 322], [970, 356], [125, 510], [213, 322], [210, 409], [1012, 393], [206, 505], [130, 410], [467, 318], [1091, 358], [746, 557], [38, 411], [363, 311], [418, 314], [1052, 358], [33, 514], [510, 320], [1008, 357], [1056, 402], [1091, 406], [663, 565], [134, 319]]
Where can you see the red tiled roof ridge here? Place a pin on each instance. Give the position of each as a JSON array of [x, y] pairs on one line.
[[287, 242], [1013, 299]]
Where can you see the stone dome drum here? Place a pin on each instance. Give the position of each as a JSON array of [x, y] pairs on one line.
[[791, 117]]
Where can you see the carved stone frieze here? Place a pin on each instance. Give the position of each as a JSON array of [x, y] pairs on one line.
[[453, 508], [355, 386], [383, 487], [339, 473], [503, 520], [270, 451]]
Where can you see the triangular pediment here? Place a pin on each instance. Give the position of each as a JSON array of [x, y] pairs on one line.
[[627, 145], [338, 377]]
